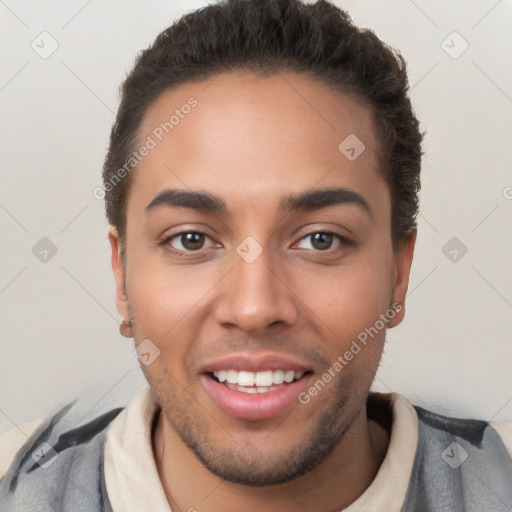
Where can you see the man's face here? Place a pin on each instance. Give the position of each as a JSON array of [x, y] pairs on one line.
[[254, 289]]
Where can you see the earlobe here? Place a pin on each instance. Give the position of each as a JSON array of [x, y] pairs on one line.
[[403, 261], [119, 272]]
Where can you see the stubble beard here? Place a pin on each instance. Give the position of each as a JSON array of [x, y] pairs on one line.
[[246, 463]]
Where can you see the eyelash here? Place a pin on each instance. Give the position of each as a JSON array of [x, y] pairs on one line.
[[342, 239]]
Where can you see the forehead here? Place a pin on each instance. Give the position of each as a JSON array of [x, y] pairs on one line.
[[250, 136]]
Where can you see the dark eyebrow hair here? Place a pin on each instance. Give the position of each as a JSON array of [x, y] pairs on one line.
[[308, 201], [316, 199], [188, 199]]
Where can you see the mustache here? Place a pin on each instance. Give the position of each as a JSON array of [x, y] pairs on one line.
[[270, 343]]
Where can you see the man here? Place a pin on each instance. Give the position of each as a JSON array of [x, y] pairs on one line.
[[262, 188]]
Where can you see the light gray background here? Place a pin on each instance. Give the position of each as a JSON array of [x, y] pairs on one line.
[[453, 353]]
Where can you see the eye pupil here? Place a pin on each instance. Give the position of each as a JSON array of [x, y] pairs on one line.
[[324, 239], [192, 241]]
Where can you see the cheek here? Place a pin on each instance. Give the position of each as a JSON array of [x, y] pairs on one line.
[[159, 290], [352, 297], [164, 312], [166, 301]]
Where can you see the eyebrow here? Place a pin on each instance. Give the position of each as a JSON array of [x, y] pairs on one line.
[[308, 201]]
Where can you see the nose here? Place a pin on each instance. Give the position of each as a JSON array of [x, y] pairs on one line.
[[256, 295]]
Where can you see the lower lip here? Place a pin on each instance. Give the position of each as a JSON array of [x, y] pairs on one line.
[[255, 406]]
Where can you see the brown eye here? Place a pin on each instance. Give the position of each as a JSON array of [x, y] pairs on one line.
[[321, 241], [192, 241], [186, 241]]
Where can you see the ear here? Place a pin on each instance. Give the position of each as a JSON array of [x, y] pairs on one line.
[[402, 264], [119, 272]]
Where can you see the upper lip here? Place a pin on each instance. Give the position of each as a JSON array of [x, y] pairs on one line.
[[251, 362]]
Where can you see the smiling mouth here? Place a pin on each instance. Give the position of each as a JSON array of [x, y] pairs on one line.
[[256, 382]]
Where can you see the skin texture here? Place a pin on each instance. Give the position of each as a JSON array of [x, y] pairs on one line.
[[252, 141]]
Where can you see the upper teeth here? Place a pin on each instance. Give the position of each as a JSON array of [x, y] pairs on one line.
[[266, 378]]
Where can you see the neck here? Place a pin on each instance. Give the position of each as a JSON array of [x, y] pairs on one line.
[[334, 484]]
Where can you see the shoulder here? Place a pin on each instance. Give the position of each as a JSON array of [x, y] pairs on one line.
[[62, 451], [12, 440], [504, 430], [472, 431], [460, 464]]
